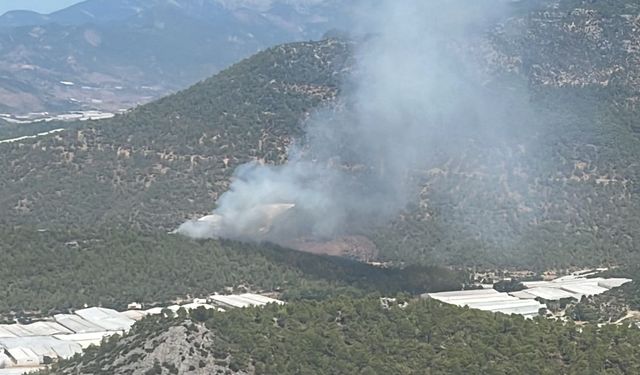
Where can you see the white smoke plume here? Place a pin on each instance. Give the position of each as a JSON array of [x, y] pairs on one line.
[[413, 90]]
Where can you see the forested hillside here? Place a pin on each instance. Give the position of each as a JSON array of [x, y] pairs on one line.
[[557, 187], [361, 336], [176, 152], [53, 271], [563, 190]]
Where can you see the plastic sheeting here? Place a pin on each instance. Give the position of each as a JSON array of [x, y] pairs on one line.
[[42, 346]]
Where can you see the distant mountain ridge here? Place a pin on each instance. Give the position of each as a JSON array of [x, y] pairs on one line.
[[91, 11], [120, 53], [104, 11]]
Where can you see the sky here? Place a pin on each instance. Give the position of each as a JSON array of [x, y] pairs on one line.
[[42, 6]]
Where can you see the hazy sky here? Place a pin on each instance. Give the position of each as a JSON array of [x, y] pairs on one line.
[[42, 6]]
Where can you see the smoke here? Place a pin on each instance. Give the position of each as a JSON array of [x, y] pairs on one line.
[[415, 91]]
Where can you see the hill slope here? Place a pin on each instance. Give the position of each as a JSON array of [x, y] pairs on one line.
[[180, 150], [559, 189]]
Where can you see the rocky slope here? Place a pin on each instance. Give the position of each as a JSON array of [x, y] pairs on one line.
[[180, 349]]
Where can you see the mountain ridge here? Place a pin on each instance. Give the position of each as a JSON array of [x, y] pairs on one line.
[[137, 51]]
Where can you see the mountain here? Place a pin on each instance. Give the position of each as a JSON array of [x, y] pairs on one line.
[[22, 18], [100, 191], [559, 191], [97, 12], [171, 152], [105, 11], [573, 185], [111, 55]]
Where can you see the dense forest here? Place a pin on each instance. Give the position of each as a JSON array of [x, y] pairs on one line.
[[45, 272], [364, 336]]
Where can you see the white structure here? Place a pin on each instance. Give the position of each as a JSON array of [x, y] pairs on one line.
[[77, 324], [613, 283], [525, 302], [572, 286], [42, 346], [22, 357], [229, 301], [490, 300], [17, 370], [242, 300], [134, 314], [134, 306], [546, 293], [85, 340], [23, 348], [12, 140], [34, 329], [154, 311], [109, 320], [197, 305], [260, 299]]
